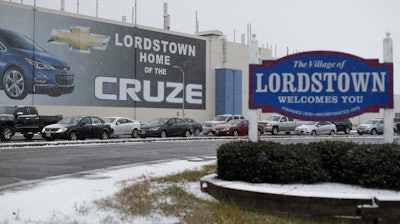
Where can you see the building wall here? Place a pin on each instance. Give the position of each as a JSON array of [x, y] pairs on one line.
[[228, 91], [220, 54], [236, 57]]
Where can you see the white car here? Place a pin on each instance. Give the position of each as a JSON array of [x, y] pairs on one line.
[[123, 126], [316, 128]]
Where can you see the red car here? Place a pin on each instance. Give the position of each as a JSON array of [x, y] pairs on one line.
[[235, 128]]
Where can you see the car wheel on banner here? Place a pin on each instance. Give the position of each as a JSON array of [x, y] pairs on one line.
[[14, 83]]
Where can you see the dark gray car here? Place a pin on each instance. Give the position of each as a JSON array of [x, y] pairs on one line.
[[77, 127], [344, 125], [166, 127]]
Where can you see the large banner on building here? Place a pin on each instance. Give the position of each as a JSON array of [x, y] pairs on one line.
[[321, 85], [53, 59]]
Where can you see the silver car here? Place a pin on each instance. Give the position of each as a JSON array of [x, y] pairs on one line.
[[316, 128], [123, 126], [373, 127]]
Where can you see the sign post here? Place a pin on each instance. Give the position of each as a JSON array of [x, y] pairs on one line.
[[253, 55], [388, 112]]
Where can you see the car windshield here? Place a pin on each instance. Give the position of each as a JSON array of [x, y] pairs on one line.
[[109, 119], [310, 123], [372, 122], [273, 118], [19, 41], [189, 120], [70, 120], [158, 121], [220, 118], [233, 122]]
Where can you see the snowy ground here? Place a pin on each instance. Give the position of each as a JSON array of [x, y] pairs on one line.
[[69, 199]]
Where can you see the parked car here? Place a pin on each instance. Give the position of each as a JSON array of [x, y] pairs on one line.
[[373, 127], [26, 68], [123, 126], [316, 128], [77, 127], [219, 119], [278, 123], [196, 126], [396, 125], [166, 127], [344, 125], [235, 127]]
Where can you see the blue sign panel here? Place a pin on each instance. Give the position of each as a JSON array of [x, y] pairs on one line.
[[321, 85]]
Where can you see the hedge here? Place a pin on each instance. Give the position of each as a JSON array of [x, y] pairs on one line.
[[368, 165]]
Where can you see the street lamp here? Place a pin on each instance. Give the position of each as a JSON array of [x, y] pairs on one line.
[[183, 90]]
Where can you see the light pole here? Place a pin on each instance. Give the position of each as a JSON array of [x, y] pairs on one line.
[[183, 89]]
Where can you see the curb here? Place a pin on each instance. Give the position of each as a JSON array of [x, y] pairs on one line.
[[359, 209], [108, 141]]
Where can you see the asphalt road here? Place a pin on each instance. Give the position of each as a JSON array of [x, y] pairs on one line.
[[22, 161], [22, 164]]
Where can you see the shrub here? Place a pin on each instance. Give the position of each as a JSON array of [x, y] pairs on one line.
[[369, 165]]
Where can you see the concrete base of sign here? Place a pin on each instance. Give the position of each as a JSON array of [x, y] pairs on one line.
[[358, 208]]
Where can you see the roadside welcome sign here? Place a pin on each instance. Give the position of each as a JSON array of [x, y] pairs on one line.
[[321, 85]]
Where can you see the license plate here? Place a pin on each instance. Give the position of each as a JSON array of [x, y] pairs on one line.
[[48, 134], [143, 131]]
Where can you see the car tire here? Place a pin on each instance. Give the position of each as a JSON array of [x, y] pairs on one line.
[[347, 130], [104, 135], [196, 132], [163, 134], [14, 83], [275, 130], [258, 132], [6, 133], [374, 132], [332, 132], [73, 136], [314, 132], [235, 133], [187, 134], [135, 133]]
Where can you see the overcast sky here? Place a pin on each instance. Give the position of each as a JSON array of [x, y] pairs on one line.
[[352, 26]]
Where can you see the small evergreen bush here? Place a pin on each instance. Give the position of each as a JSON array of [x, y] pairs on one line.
[[368, 165]]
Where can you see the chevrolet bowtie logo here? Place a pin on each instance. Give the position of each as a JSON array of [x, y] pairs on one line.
[[79, 39]]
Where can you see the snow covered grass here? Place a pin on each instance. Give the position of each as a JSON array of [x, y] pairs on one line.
[[177, 197], [72, 199], [166, 192]]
